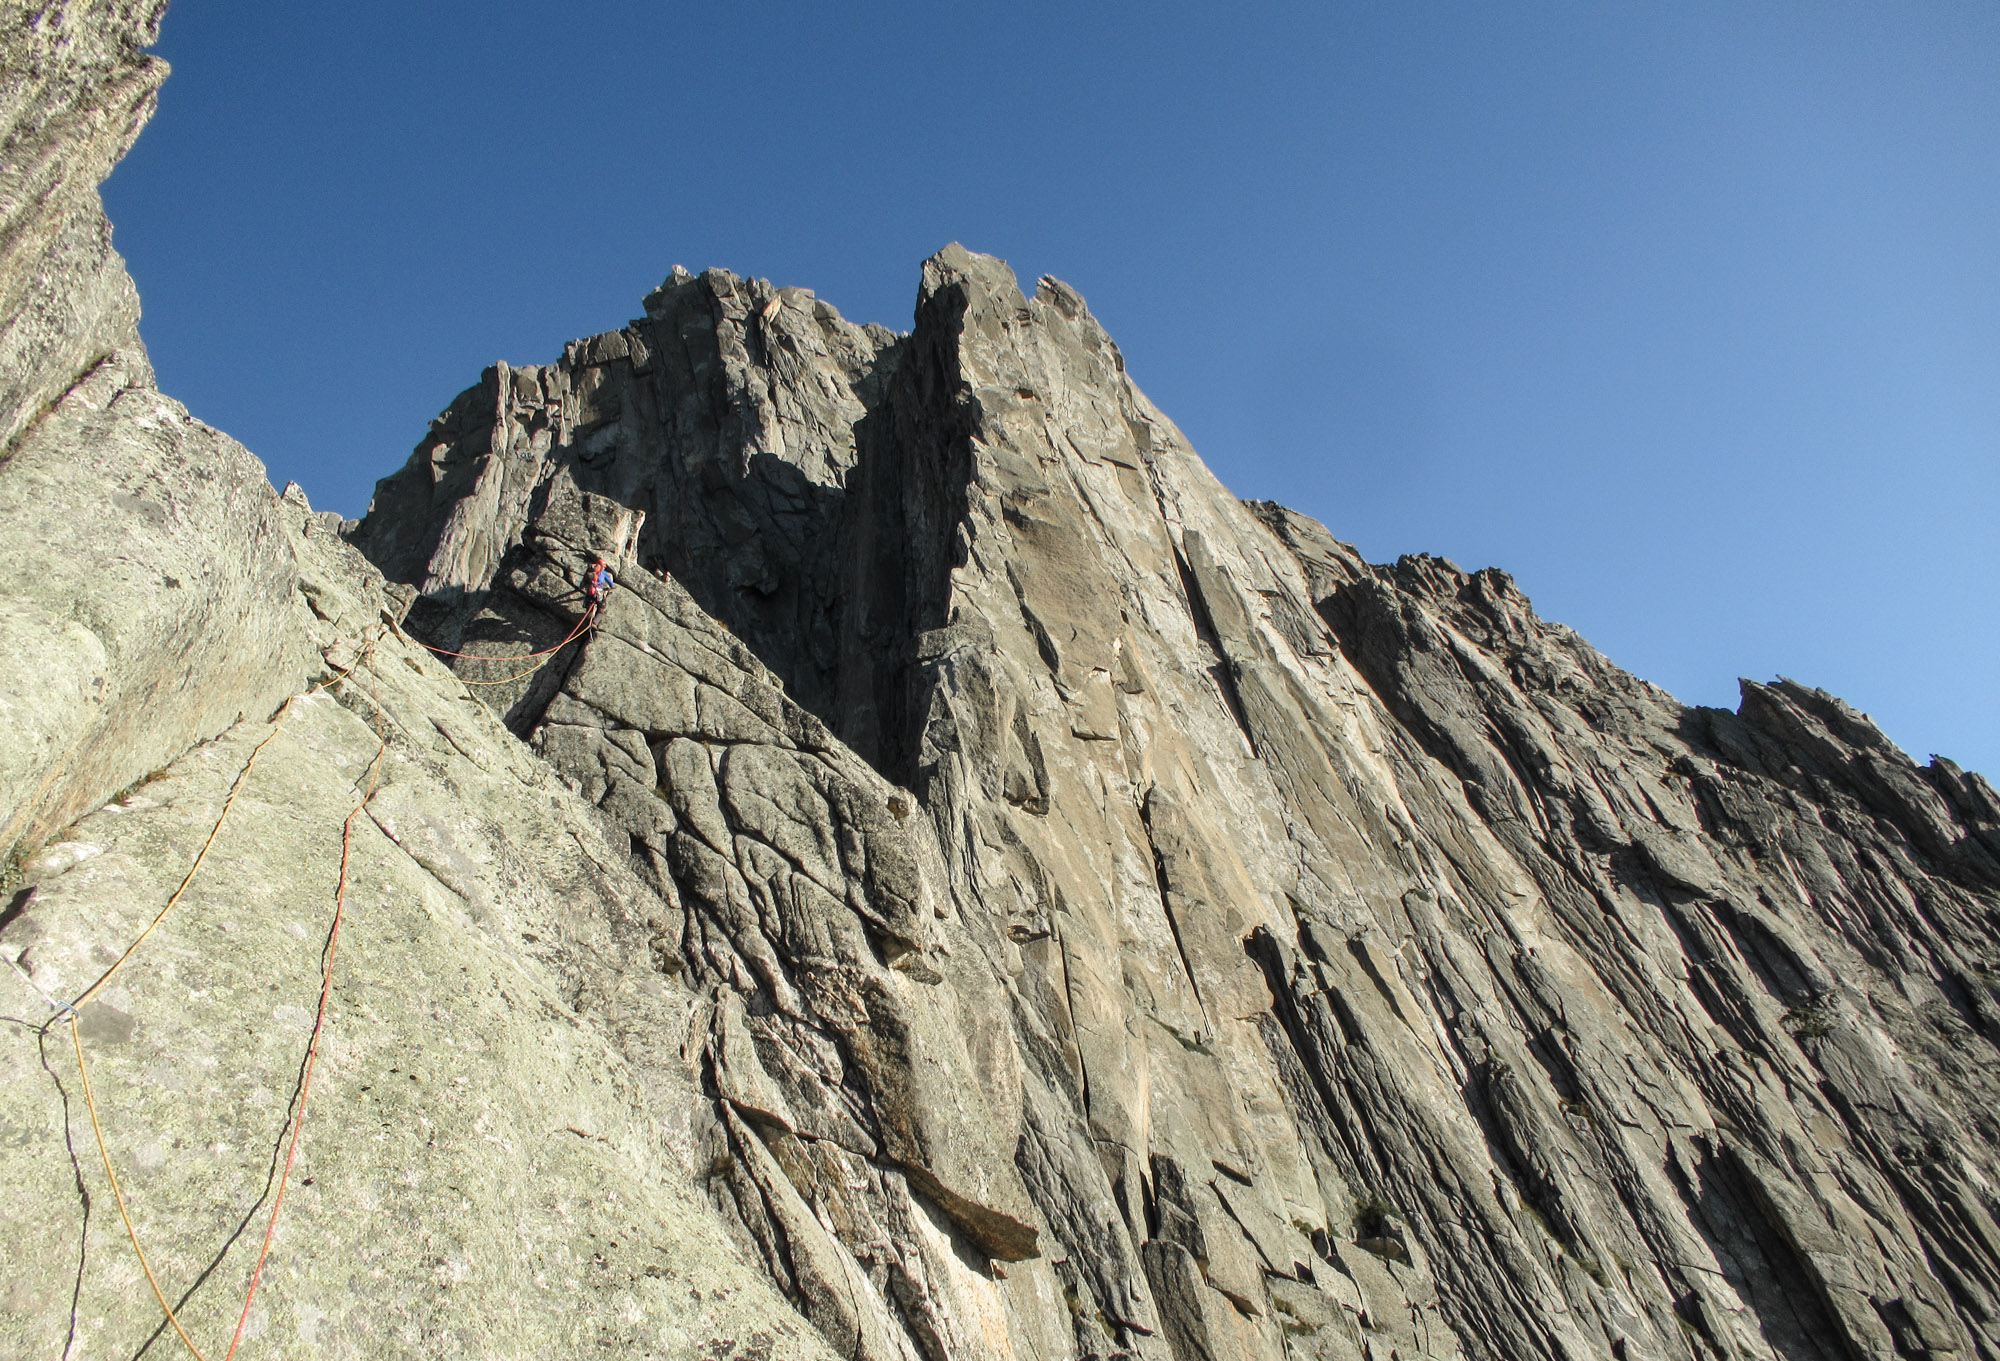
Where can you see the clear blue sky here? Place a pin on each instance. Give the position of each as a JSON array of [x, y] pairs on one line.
[[1687, 314]]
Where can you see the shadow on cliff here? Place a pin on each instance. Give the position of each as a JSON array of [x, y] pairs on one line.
[[801, 478]]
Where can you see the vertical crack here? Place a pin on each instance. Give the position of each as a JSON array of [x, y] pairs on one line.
[[1160, 880], [1222, 670]]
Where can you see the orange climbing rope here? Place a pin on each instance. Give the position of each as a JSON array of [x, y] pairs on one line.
[[547, 655], [296, 1123], [277, 722], [312, 1047], [297, 1119], [588, 615]]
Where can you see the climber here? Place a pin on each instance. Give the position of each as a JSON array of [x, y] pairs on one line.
[[597, 583]]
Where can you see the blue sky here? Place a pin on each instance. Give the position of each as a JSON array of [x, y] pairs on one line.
[[1686, 314]]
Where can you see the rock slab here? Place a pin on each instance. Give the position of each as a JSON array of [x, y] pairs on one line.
[[1363, 965], [975, 889]]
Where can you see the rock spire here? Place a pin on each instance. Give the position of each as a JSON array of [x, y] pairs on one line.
[[976, 889]]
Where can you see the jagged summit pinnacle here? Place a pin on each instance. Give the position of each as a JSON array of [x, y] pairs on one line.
[[1237, 822], [971, 888]]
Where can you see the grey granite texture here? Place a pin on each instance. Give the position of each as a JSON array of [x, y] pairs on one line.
[[1360, 965], [496, 1157], [975, 889]]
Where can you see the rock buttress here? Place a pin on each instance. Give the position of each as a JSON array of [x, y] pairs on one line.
[[496, 1156], [1347, 961]]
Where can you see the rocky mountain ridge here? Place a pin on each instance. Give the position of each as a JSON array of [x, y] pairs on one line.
[[976, 888]]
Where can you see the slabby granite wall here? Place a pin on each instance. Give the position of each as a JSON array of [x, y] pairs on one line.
[[977, 889], [496, 1156], [1321, 959]]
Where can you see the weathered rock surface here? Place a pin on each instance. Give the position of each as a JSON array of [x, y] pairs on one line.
[[496, 1153], [975, 880], [143, 597], [495, 1159], [1366, 967], [75, 88]]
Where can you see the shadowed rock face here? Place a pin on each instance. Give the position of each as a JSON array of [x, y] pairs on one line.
[[977, 882], [786, 467], [1280, 955]]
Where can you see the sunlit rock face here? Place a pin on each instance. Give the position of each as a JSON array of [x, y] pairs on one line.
[[1126, 922], [973, 889], [495, 1159]]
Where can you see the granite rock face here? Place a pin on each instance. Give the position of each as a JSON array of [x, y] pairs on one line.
[[142, 601], [975, 888], [1129, 924], [496, 1152], [75, 89], [195, 670]]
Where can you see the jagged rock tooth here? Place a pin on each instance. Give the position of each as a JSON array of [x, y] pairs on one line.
[[1293, 872]]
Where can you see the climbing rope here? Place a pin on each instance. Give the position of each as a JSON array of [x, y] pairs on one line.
[[69, 1008], [277, 722], [312, 1046], [547, 654], [118, 1193], [296, 1120]]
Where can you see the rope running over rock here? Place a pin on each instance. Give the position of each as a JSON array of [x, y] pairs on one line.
[[547, 654], [297, 1121]]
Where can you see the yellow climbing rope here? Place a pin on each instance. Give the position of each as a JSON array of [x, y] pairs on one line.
[[69, 1011], [547, 655], [296, 1120]]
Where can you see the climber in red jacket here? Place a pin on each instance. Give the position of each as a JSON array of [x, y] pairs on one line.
[[597, 584]]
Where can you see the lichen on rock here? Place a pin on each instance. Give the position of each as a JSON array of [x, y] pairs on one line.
[[974, 889]]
